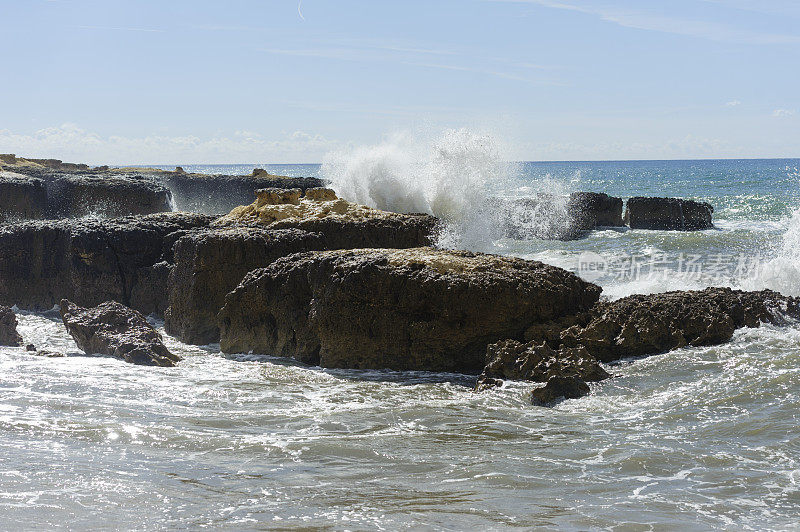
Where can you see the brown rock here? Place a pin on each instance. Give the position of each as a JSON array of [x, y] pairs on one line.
[[115, 330], [8, 328]]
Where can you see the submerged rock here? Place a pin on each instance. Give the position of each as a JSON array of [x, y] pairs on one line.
[[209, 263], [21, 197], [668, 213], [557, 387], [118, 331], [345, 225], [8, 328], [648, 324], [90, 261], [510, 359], [414, 309]]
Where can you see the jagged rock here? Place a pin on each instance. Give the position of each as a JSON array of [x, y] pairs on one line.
[[21, 197], [344, 224], [116, 330], [8, 328], [510, 359], [90, 261], [570, 387], [413, 309], [218, 194], [668, 213], [210, 263], [648, 324], [109, 196]]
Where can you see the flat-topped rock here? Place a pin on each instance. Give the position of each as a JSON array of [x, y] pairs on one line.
[[668, 214], [8, 328], [21, 197], [209, 263], [412, 309], [115, 330], [109, 196], [90, 261]]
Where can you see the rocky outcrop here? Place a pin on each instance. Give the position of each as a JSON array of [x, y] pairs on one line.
[[668, 214], [344, 225], [558, 387], [413, 309], [219, 194], [108, 196], [510, 359], [115, 330], [647, 324], [21, 197], [8, 328], [210, 263], [592, 209], [91, 261]]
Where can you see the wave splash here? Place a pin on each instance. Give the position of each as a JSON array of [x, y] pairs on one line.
[[782, 272], [461, 177]]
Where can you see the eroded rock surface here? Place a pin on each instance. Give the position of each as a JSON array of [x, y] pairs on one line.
[[209, 263], [344, 224], [413, 309], [8, 328], [118, 331], [109, 196], [90, 261], [668, 213], [21, 197]]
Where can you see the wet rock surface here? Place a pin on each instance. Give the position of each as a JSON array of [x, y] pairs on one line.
[[110, 196], [558, 387], [118, 331], [8, 328], [90, 261], [209, 263], [668, 214], [413, 309], [21, 197]]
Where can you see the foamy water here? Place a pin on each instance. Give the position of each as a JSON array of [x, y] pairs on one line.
[[695, 439]]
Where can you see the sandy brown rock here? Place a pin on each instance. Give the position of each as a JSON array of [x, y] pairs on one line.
[[8, 328], [118, 331], [210, 263], [413, 309], [345, 225], [510, 359]]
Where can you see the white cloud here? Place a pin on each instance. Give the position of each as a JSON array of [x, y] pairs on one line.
[[783, 113], [71, 143], [733, 103]]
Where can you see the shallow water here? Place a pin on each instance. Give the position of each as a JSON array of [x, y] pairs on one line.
[[693, 439]]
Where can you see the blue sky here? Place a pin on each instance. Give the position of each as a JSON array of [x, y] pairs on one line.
[[179, 81]]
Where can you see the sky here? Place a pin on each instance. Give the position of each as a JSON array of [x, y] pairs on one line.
[[274, 81]]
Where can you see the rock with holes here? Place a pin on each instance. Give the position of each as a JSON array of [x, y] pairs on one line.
[[8, 328], [668, 213], [118, 331], [413, 309], [90, 261]]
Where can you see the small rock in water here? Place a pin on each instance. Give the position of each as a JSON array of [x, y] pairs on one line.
[[557, 387], [116, 330], [8, 328], [49, 354], [30, 347]]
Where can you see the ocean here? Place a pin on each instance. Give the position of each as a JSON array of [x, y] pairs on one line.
[[694, 439]]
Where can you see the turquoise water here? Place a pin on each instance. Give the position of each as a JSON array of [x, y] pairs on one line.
[[695, 439]]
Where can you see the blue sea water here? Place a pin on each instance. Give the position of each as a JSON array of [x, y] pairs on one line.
[[695, 439]]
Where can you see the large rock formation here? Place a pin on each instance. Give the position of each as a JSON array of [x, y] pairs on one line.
[[647, 324], [414, 309], [90, 261], [109, 196], [344, 224], [21, 197], [668, 213], [8, 328], [210, 263], [115, 330], [592, 209]]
